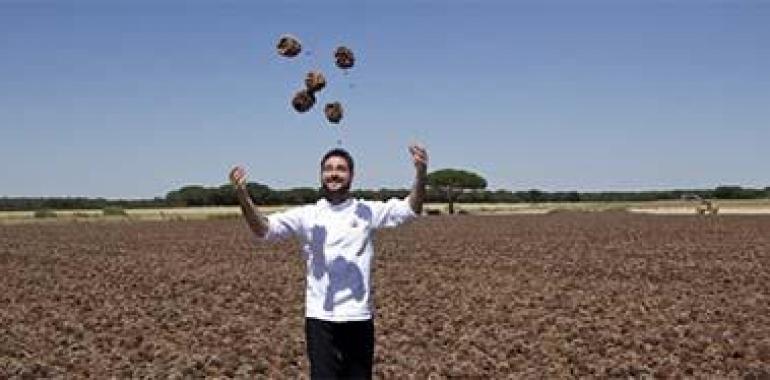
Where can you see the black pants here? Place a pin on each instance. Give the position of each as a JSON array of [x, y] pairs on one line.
[[340, 350]]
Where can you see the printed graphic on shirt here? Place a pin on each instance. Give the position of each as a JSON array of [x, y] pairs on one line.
[[338, 250], [345, 278]]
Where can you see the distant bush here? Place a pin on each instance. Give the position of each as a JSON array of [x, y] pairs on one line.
[[45, 213], [171, 216], [83, 215], [114, 211], [583, 210], [561, 210], [223, 216], [617, 209], [433, 212]]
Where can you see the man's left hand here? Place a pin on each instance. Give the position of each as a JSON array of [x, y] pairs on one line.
[[419, 156]]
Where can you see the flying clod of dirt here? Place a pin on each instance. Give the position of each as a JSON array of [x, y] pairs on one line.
[[288, 46], [303, 101], [333, 112], [344, 57], [315, 81]]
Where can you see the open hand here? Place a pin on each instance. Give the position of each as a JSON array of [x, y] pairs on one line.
[[238, 176], [419, 156]]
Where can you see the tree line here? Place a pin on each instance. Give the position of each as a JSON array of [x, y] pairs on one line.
[[195, 195]]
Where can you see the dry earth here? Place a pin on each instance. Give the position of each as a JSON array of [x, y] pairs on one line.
[[565, 295]]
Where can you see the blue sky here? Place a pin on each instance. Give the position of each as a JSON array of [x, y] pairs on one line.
[[131, 99]]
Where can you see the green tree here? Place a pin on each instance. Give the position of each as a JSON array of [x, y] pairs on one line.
[[262, 194], [452, 180], [729, 192], [299, 195], [535, 196], [193, 195]]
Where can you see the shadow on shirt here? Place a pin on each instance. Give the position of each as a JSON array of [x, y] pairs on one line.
[[343, 274]]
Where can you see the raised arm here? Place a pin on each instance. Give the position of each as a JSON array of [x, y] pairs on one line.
[[417, 195], [257, 222]]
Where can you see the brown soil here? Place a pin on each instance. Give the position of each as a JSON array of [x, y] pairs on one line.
[[600, 295]]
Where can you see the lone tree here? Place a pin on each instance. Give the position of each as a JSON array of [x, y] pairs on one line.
[[452, 180]]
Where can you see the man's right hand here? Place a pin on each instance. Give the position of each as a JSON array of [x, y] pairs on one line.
[[238, 176], [257, 222]]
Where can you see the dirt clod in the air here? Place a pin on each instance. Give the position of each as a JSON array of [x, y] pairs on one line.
[[333, 112], [315, 81], [288, 46], [344, 58], [303, 101]]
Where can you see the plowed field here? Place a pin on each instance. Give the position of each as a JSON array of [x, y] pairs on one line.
[[597, 295]]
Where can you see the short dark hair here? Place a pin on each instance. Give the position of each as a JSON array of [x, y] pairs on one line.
[[338, 152]]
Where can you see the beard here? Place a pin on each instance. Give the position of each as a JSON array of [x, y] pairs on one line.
[[328, 193]]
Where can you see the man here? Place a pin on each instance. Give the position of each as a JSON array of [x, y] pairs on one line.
[[336, 233]]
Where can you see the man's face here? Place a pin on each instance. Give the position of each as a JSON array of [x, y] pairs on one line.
[[336, 176]]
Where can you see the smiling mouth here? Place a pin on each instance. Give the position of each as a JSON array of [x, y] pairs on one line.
[[335, 184]]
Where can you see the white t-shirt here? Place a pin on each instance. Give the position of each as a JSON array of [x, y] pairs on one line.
[[337, 246]]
